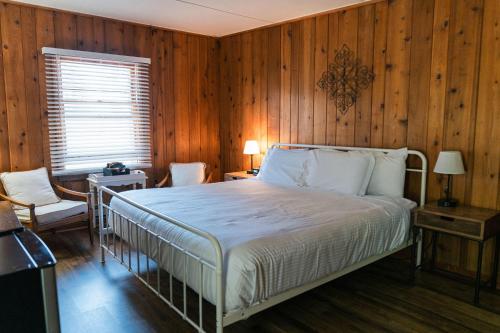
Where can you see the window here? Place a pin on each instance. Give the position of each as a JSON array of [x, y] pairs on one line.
[[98, 110]]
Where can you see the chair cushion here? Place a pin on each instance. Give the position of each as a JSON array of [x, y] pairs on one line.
[[54, 212], [30, 187], [187, 173]]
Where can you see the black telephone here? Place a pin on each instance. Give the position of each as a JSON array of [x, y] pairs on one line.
[[115, 169]]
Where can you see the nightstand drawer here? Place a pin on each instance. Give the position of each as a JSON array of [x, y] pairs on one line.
[[449, 225]]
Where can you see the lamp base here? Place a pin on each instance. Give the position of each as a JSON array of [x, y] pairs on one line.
[[447, 202]]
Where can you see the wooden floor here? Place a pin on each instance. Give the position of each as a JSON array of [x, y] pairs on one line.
[[107, 298]]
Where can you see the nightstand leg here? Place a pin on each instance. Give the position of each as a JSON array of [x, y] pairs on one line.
[[414, 248], [478, 272], [434, 249], [495, 263]]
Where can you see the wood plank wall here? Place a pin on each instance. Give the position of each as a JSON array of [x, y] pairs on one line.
[[437, 68], [184, 78]]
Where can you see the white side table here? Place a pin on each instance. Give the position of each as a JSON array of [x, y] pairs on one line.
[[97, 180]]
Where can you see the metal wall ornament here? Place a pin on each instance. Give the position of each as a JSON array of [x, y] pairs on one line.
[[345, 78]]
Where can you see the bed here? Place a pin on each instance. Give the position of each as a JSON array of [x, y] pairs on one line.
[[247, 245]]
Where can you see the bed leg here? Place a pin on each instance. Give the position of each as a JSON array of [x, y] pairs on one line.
[[101, 226], [419, 247]]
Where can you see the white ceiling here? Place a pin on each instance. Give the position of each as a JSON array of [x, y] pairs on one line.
[[207, 17]]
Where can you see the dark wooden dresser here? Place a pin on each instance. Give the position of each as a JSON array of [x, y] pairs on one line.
[[28, 301]]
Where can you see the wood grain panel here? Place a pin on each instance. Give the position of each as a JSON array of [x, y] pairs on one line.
[[348, 35], [320, 65], [4, 130], [362, 126], [378, 85], [13, 64], [397, 73]]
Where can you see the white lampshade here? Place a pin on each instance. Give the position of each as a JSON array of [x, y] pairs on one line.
[[251, 147], [450, 163]]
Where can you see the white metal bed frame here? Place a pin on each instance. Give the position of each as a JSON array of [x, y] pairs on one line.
[[152, 239]]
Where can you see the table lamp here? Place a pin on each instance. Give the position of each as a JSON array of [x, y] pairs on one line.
[[251, 148], [449, 163]]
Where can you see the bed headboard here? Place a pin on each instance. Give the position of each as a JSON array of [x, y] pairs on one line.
[[422, 171]]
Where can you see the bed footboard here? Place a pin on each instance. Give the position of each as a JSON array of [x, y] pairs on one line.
[[140, 251]]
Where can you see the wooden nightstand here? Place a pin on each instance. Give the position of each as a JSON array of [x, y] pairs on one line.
[[477, 224], [237, 175]]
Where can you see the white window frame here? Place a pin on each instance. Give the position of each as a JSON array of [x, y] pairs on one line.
[[75, 158]]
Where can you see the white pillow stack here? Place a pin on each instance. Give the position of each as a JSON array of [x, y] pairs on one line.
[[388, 177], [340, 172], [285, 167], [30, 187], [353, 172]]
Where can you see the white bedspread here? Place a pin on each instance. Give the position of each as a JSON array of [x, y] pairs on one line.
[[273, 238]]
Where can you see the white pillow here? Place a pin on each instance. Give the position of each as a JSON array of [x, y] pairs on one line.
[[30, 187], [388, 176], [187, 173], [340, 172], [285, 167]]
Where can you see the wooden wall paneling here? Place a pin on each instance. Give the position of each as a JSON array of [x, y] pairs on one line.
[[437, 93], [397, 75], [85, 33], [99, 38], [259, 93], [362, 125], [4, 130], [418, 99], [463, 67], [168, 91], [44, 37], [214, 104], [274, 85], [247, 126], [320, 66], [181, 97], [235, 76], [224, 103], [286, 78], [331, 109], [157, 104], [485, 188], [113, 36], [203, 99], [194, 90], [33, 116], [297, 31], [379, 69], [262, 70], [306, 81], [65, 30], [348, 35], [13, 61]]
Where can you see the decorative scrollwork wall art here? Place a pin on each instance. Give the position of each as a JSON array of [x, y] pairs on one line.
[[345, 78]]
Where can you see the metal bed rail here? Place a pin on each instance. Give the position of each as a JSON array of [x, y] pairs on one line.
[[121, 229]]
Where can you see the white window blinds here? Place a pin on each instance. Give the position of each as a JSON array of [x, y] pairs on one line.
[[98, 110]]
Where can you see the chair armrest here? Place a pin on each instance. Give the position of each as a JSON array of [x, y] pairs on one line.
[[164, 181], [72, 192], [15, 202], [208, 179], [31, 207]]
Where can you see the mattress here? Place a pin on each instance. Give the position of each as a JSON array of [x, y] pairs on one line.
[[273, 238]]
